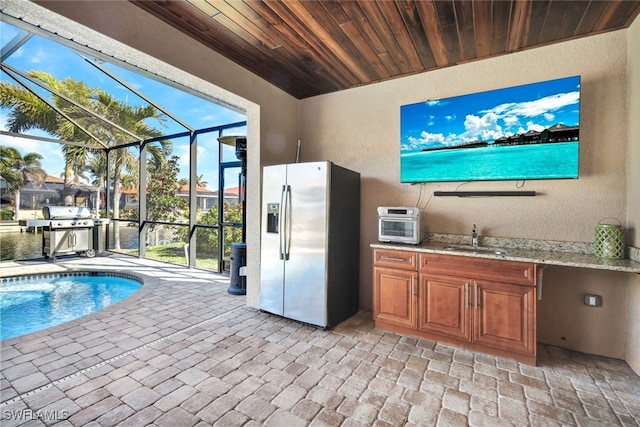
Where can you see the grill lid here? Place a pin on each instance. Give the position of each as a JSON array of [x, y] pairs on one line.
[[66, 212]]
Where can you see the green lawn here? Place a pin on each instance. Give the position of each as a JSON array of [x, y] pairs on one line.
[[174, 253]]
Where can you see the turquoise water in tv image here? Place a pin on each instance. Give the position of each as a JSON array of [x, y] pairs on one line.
[[520, 162]]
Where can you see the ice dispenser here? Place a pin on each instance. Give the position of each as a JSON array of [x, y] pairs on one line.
[[273, 217]]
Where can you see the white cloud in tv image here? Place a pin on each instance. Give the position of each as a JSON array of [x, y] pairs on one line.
[[522, 132]]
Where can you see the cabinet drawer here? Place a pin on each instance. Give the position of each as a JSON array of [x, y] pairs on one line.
[[405, 260], [521, 273]]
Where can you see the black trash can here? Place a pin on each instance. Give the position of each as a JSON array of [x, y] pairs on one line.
[[238, 285], [100, 234]]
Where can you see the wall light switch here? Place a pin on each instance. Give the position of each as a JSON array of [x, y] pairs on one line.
[[592, 300]]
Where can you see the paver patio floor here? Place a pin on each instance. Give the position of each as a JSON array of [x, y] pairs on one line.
[[184, 352]]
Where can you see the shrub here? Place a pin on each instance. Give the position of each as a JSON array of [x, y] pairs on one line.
[[6, 215]]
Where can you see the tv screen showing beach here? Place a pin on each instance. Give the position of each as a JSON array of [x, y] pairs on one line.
[[517, 133]]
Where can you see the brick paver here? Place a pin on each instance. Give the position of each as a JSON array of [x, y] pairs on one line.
[[182, 351]]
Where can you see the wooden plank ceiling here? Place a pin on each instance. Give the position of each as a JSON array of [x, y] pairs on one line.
[[309, 48]]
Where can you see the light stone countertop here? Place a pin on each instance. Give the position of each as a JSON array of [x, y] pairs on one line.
[[570, 254]]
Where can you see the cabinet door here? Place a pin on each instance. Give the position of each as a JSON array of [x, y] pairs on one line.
[[394, 298], [443, 306], [505, 316]]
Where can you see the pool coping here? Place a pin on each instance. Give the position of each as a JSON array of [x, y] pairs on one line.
[[133, 324], [148, 284]]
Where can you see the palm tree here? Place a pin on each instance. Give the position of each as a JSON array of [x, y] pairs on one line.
[[74, 169], [8, 157], [200, 182], [96, 165], [18, 170], [29, 111]]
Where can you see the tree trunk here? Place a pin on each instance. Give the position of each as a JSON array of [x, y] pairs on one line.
[[117, 194], [97, 204], [16, 205], [67, 192]]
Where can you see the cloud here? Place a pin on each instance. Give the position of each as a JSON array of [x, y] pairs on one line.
[[530, 126], [510, 121], [477, 128], [425, 139], [182, 151], [39, 56], [537, 107], [481, 128], [18, 53]]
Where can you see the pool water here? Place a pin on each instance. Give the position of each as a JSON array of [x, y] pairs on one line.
[[29, 304]]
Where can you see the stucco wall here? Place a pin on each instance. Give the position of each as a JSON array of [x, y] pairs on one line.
[[633, 193], [359, 129]]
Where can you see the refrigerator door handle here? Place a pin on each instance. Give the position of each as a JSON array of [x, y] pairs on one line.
[[283, 222], [287, 247]]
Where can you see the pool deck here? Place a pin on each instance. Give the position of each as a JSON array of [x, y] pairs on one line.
[[184, 352]]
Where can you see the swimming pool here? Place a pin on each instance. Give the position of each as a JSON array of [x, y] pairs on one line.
[[35, 302]]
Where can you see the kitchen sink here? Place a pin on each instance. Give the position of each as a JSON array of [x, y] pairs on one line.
[[478, 249]]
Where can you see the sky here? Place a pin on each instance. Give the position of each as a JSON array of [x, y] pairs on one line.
[[41, 54], [486, 116]]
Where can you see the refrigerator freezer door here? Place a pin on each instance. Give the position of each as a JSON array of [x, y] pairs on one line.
[[272, 264], [305, 272]]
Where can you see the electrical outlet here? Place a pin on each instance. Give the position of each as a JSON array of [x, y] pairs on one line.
[[592, 300]]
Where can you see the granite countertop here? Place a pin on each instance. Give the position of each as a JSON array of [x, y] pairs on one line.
[[570, 254]]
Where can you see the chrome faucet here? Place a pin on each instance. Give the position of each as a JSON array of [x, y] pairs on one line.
[[474, 236]]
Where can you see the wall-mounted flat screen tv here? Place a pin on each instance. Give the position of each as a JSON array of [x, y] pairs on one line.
[[517, 133]]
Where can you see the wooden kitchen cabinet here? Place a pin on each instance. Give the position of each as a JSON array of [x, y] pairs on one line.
[[394, 298], [395, 278], [481, 304], [444, 306], [505, 316]]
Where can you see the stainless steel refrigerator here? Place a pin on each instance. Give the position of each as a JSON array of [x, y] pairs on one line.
[[309, 263]]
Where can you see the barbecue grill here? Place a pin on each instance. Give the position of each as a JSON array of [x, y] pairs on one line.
[[69, 229]]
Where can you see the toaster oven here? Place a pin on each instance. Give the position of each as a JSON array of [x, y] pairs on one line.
[[399, 225]]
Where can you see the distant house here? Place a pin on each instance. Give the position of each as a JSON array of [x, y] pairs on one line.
[[561, 133], [232, 195], [206, 198], [129, 199], [50, 193], [556, 133]]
